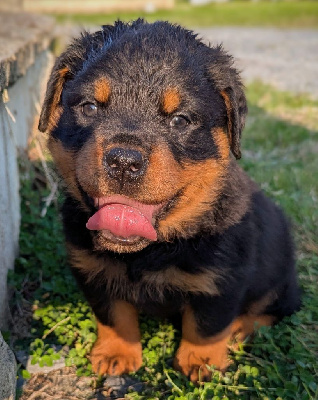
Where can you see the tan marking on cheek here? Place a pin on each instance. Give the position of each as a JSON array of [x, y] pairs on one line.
[[118, 348], [102, 90], [170, 100], [162, 178], [89, 167], [202, 183], [65, 162]]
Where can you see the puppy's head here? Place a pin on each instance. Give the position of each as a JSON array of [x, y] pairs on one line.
[[142, 120]]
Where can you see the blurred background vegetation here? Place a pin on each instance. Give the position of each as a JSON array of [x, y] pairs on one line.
[[291, 13]]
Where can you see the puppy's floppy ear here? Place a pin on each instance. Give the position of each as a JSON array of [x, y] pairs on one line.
[[51, 106], [228, 82], [236, 109]]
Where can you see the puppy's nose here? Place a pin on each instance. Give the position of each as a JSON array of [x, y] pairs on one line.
[[124, 163]]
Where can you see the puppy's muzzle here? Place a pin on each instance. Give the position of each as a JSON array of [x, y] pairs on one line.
[[124, 164]]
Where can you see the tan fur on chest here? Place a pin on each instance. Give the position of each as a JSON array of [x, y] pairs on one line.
[[153, 284]]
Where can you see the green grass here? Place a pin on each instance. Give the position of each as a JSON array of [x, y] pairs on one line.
[[296, 14], [280, 152]]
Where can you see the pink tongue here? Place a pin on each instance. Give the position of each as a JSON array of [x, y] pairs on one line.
[[124, 221]]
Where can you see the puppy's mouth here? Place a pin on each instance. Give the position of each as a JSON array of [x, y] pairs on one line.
[[125, 220]]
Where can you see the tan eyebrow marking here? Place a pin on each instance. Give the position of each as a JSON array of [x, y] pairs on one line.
[[102, 90], [170, 100]]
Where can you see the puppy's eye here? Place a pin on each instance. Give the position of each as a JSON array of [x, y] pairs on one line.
[[179, 122], [89, 109]]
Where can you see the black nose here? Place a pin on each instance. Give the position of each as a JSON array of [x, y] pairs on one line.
[[124, 163]]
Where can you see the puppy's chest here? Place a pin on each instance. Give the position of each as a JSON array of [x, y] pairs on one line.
[[149, 291], [152, 291]]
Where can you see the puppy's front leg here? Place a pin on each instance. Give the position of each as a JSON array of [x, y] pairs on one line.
[[201, 344], [118, 348]]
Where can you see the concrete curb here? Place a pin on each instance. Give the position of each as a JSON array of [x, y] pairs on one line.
[[8, 371], [22, 36], [25, 61]]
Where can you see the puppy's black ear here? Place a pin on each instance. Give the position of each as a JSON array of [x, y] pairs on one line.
[[236, 109], [228, 82], [51, 108]]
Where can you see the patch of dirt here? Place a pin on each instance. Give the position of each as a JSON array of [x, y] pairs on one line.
[[64, 384]]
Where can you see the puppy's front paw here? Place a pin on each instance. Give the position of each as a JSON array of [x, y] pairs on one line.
[[118, 348], [192, 360], [116, 357]]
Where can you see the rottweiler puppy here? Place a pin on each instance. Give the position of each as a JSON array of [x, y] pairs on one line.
[[145, 124]]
